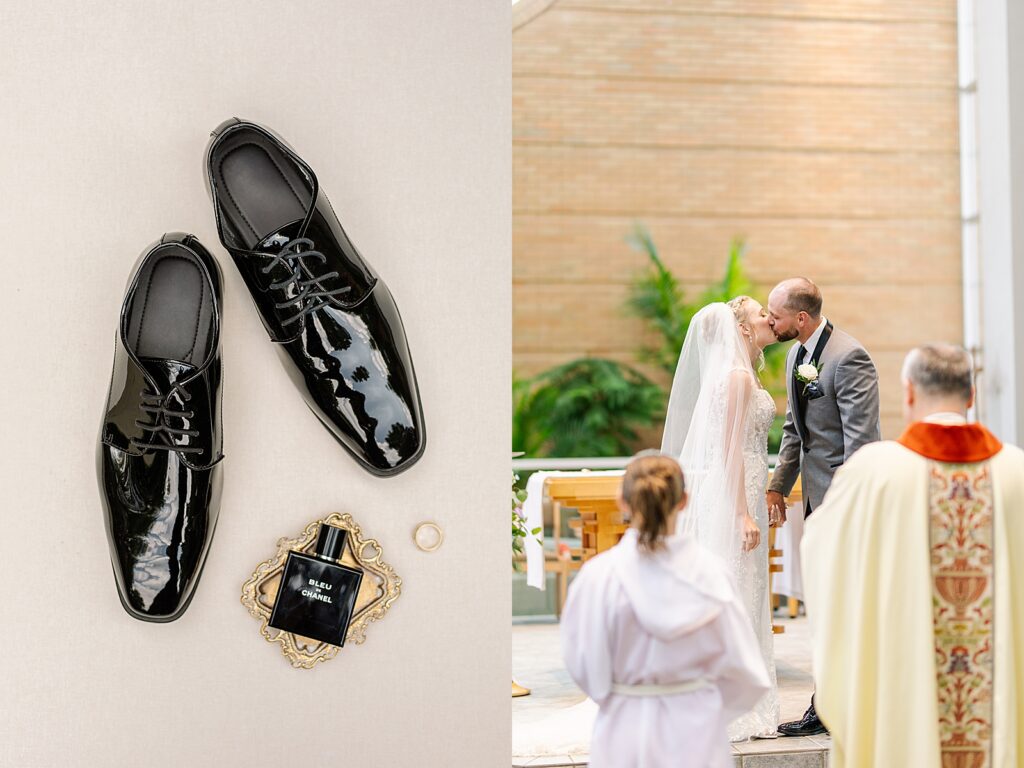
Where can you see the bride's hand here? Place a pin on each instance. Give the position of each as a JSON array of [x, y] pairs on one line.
[[751, 534]]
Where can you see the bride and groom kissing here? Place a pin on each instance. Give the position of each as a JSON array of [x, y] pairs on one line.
[[717, 426]]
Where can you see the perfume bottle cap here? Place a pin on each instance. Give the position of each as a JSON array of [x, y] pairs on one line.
[[330, 542]]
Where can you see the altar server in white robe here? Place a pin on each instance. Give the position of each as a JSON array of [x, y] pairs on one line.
[[654, 632], [914, 582]]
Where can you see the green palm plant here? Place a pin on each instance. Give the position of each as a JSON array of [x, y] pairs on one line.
[[657, 298]]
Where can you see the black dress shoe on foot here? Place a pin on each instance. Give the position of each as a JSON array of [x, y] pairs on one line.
[[160, 443], [808, 725], [334, 322]]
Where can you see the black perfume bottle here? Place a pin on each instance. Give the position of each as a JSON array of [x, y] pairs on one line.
[[318, 594]]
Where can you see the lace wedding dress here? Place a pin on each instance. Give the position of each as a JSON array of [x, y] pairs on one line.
[[717, 425], [751, 568]]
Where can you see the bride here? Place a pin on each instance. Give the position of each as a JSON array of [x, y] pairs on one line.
[[717, 425]]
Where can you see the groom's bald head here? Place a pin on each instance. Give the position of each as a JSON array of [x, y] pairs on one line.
[[800, 295], [794, 309]]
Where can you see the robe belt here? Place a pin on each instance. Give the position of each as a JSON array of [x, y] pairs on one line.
[[661, 689]]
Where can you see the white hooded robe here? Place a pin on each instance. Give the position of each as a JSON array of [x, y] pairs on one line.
[[668, 617]]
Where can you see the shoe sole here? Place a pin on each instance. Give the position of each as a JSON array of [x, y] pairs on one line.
[[816, 732]]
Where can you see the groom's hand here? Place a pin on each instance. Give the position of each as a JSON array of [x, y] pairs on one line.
[[776, 509]]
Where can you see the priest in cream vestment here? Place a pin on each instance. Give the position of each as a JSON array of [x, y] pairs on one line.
[[914, 579]]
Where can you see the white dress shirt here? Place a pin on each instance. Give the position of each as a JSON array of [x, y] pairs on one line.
[[812, 342], [946, 418]]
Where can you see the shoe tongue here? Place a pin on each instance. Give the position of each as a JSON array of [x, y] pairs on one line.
[[167, 373], [275, 241]]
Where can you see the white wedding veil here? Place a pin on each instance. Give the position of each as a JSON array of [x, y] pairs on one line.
[[705, 428]]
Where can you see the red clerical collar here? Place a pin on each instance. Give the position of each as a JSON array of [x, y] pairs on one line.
[[951, 443]]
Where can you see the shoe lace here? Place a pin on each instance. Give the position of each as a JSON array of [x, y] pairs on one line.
[[310, 294], [161, 407]]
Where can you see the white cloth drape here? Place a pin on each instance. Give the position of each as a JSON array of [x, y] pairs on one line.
[[790, 582]]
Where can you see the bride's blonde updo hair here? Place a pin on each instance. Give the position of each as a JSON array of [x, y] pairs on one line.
[[737, 306], [652, 488], [741, 311]]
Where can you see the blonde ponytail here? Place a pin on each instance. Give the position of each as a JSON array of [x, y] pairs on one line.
[[652, 488]]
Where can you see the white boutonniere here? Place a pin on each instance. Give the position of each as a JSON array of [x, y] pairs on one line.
[[807, 374]]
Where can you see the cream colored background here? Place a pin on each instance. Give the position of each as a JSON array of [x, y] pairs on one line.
[[403, 109]]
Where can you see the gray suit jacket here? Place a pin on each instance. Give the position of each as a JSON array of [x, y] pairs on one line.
[[835, 425]]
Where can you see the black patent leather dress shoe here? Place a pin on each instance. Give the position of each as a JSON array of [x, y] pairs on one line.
[[334, 322], [808, 725], [160, 443]]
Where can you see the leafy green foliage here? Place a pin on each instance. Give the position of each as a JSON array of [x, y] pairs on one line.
[[586, 407], [529, 427], [519, 531]]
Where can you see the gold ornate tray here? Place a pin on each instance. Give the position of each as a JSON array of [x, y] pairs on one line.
[[380, 588]]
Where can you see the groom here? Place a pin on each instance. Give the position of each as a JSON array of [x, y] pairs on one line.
[[832, 411]]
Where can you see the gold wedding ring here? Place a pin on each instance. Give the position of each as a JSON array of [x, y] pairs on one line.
[[428, 536]]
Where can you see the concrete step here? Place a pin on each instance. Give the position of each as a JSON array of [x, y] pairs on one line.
[[805, 752]]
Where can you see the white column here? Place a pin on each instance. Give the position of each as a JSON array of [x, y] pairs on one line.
[[967, 81], [999, 58]]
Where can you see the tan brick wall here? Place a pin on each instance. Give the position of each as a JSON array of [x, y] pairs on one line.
[[824, 132]]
